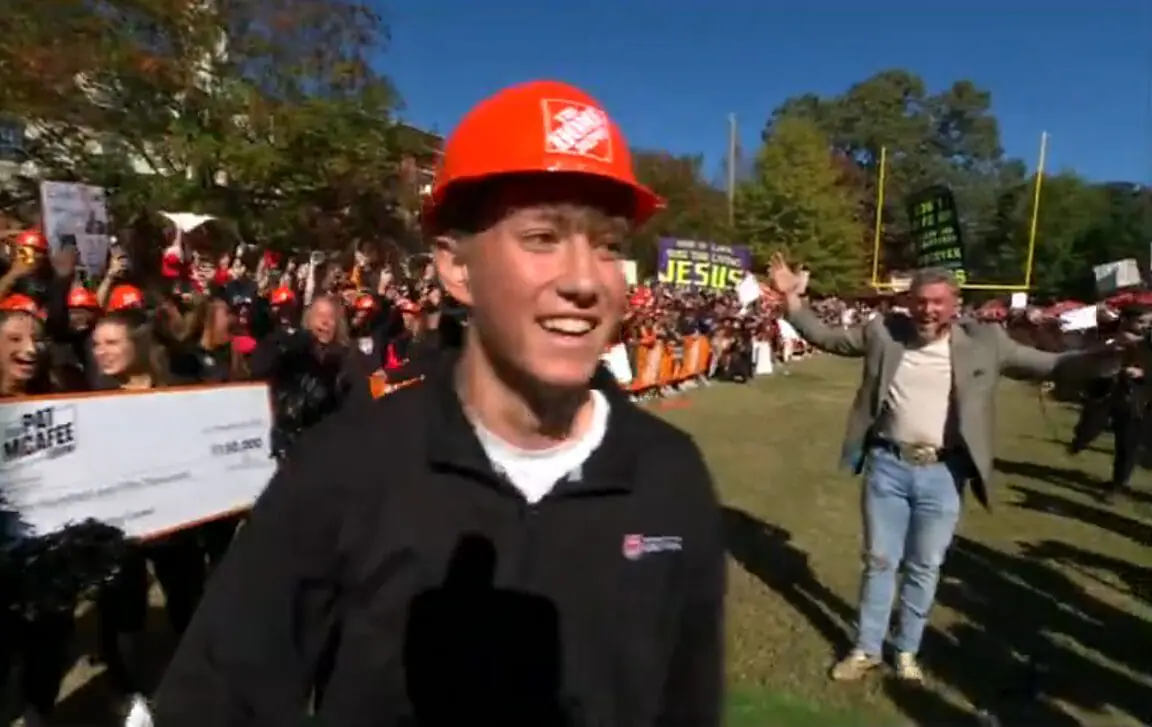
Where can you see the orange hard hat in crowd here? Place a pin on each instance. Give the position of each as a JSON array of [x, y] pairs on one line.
[[364, 303], [31, 239], [20, 303], [539, 127], [281, 296], [82, 298], [125, 297]]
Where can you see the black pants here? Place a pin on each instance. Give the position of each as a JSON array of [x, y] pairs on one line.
[[42, 647], [1096, 416], [1129, 430], [216, 537], [122, 606]]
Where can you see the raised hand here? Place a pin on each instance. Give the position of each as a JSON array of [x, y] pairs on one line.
[[782, 278]]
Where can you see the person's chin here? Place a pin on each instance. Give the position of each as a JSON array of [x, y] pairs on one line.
[[22, 373], [930, 332], [563, 374]]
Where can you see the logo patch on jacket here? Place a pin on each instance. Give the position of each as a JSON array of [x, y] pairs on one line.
[[636, 546]]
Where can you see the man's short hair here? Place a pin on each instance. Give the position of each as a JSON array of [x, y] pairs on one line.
[[933, 276]]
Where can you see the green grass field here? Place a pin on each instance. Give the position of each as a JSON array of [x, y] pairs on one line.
[[1051, 576]]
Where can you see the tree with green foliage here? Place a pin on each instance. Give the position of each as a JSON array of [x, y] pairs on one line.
[[266, 113], [950, 138], [796, 202], [1123, 227], [694, 209], [1061, 264]]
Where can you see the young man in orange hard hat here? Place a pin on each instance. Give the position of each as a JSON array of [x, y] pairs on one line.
[[511, 542]]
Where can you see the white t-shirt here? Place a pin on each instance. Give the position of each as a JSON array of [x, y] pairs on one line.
[[535, 472], [920, 396]]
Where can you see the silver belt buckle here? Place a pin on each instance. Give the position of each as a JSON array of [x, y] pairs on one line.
[[919, 455]]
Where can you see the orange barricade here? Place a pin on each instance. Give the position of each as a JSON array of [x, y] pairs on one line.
[[667, 375], [658, 368], [690, 363], [704, 356], [648, 353]]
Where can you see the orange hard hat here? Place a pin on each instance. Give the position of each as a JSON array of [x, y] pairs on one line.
[[82, 298], [31, 238], [364, 303], [281, 296], [20, 303], [543, 127], [125, 297]]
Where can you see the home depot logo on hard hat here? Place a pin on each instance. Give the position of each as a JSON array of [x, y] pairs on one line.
[[576, 128]]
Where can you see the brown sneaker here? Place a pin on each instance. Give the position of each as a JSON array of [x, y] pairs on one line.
[[908, 669], [854, 666]]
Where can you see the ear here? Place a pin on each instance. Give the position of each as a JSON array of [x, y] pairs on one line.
[[452, 268]]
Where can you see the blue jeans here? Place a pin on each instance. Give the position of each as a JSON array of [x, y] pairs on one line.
[[910, 515]]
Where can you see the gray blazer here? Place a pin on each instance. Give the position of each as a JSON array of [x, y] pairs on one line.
[[981, 354]]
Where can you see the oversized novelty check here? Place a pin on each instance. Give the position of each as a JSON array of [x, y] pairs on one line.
[[148, 463]]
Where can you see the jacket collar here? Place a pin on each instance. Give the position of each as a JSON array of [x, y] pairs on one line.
[[453, 444]]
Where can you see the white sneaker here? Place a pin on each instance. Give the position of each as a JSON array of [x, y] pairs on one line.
[[854, 666], [908, 669]]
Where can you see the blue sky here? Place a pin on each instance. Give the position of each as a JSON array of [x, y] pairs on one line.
[[670, 72]]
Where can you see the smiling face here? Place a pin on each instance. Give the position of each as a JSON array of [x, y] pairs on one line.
[[112, 348], [322, 320], [934, 308], [19, 347], [545, 287]]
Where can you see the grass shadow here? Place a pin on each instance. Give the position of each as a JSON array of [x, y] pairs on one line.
[[1064, 478], [765, 551], [1100, 517], [1030, 642], [1061, 443], [1128, 579]]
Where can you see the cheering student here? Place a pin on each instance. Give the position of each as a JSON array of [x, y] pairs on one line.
[[511, 542]]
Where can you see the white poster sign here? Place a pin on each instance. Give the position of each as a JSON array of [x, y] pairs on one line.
[[148, 463], [748, 290], [1079, 319], [76, 215], [1116, 275], [762, 356], [631, 276]]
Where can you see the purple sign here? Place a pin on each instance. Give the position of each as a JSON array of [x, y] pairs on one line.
[[692, 264]]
